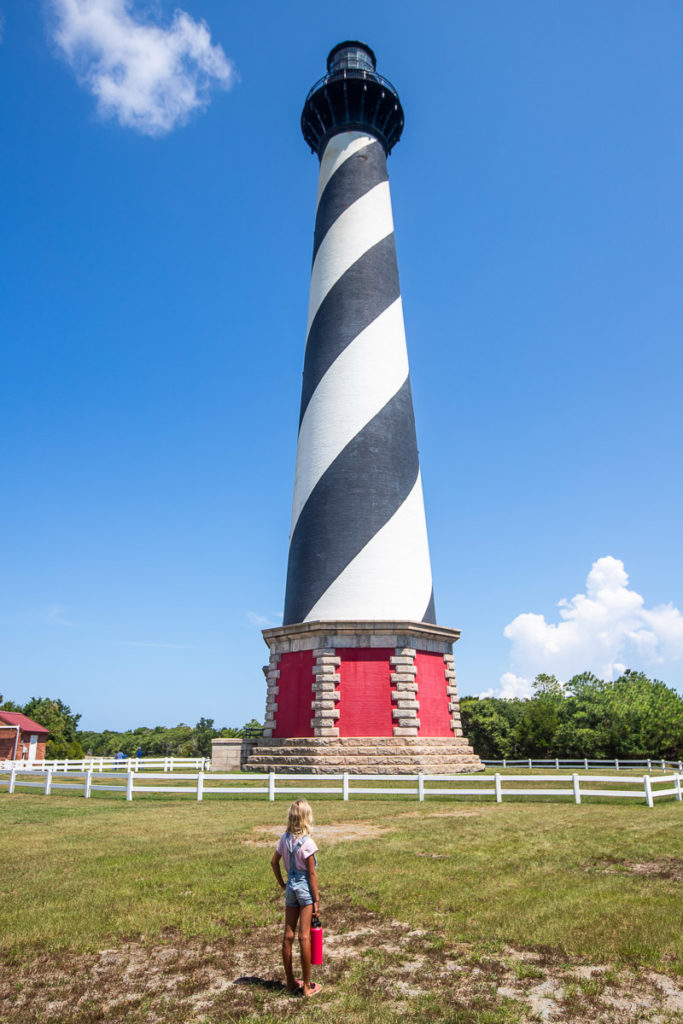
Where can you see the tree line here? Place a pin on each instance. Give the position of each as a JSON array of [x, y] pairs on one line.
[[66, 740], [630, 717]]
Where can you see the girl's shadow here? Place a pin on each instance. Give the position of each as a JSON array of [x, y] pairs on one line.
[[266, 983]]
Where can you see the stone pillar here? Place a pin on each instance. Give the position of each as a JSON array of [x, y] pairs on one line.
[[326, 691], [404, 694]]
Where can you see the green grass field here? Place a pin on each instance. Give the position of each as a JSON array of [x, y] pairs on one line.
[[448, 911]]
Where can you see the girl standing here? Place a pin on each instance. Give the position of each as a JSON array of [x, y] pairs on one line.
[[297, 849]]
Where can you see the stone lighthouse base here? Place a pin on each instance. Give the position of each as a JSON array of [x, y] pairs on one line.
[[362, 697], [364, 755]]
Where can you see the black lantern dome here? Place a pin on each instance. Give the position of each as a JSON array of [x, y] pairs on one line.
[[351, 96]]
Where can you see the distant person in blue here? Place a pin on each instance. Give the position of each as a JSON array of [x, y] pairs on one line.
[[119, 756], [139, 752]]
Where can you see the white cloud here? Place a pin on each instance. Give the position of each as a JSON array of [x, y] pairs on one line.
[[604, 631], [148, 77], [511, 686]]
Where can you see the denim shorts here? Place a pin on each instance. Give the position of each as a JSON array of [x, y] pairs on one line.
[[298, 892]]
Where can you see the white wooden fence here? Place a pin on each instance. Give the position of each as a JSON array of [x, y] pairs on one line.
[[101, 764], [179, 764], [651, 763], [345, 785]]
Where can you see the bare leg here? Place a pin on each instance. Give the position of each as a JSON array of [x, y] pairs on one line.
[[291, 918], [305, 946]]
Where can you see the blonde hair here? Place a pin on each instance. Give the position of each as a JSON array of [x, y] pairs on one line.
[[300, 818]]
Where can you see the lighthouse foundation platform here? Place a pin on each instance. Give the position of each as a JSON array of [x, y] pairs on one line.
[[363, 697], [367, 755]]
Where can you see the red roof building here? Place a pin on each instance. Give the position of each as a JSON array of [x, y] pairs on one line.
[[21, 739]]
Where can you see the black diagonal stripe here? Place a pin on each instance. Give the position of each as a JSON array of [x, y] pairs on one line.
[[430, 614], [355, 177], [359, 492], [352, 303]]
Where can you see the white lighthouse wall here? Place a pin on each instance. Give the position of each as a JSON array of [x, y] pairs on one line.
[[360, 227], [359, 383], [358, 541], [338, 150], [391, 577]]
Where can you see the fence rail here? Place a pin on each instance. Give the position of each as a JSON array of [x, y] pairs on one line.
[[176, 764], [571, 764], [345, 785], [101, 764]]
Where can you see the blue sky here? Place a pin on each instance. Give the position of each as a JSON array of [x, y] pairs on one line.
[[157, 233]]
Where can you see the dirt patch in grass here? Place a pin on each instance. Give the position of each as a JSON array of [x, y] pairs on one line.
[[375, 970], [457, 812], [670, 868], [266, 835], [327, 834]]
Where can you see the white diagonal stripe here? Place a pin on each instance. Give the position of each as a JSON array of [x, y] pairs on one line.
[[359, 383], [356, 230], [338, 150], [391, 577]]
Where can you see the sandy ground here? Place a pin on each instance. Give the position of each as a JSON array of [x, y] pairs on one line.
[[218, 981]]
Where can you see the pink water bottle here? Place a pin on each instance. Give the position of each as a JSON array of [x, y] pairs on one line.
[[316, 941]]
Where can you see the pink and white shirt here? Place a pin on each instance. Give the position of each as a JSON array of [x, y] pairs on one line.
[[307, 849]]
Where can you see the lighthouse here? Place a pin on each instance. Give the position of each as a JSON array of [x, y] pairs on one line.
[[360, 677]]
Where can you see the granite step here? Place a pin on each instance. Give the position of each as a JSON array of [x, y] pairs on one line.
[[392, 762]]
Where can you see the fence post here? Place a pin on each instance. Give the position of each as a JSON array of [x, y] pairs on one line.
[[345, 786], [577, 788], [663, 765], [12, 780], [420, 786], [648, 790], [557, 764], [499, 788], [271, 786], [529, 762], [585, 763], [88, 784], [649, 765], [677, 784], [616, 764], [200, 786], [504, 763], [129, 785], [48, 782]]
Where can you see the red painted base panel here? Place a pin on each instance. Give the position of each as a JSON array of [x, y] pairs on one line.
[[365, 692], [431, 692], [295, 686], [365, 689]]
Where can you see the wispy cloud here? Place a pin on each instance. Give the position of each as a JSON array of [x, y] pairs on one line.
[[57, 613], [604, 630], [143, 643], [264, 621], [148, 77]]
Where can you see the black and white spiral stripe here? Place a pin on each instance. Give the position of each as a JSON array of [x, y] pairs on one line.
[[358, 545]]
